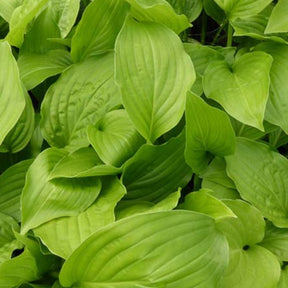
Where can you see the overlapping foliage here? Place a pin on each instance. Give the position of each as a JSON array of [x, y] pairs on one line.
[[143, 143]]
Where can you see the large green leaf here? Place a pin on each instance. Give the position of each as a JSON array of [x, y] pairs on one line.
[[11, 184], [8, 242], [277, 104], [98, 28], [243, 88], [43, 200], [156, 171], [7, 8], [65, 13], [155, 83], [242, 8], [21, 17], [278, 22], [21, 133], [83, 162], [208, 131], [276, 240], [12, 99], [63, 235], [35, 68], [264, 183], [191, 8], [164, 249], [115, 138], [80, 97], [159, 11], [250, 265]]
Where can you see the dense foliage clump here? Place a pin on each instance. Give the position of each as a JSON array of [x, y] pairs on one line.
[[143, 143]]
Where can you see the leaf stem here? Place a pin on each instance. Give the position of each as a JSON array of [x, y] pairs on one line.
[[203, 27], [216, 37], [229, 36]]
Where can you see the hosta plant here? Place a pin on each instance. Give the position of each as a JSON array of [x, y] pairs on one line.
[[143, 143]]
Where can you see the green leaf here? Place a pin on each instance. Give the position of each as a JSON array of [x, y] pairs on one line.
[[42, 29], [256, 267], [83, 162], [202, 55], [17, 139], [204, 202], [127, 208], [213, 10], [8, 242], [43, 200], [7, 8], [98, 28], [11, 185], [18, 270], [216, 172], [208, 130], [12, 99], [175, 249], [79, 98], [278, 138], [249, 265], [21, 17], [158, 11], [191, 8], [63, 235], [115, 138], [277, 110], [156, 171], [155, 83], [254, 27], [242, 89], [242, 130], [35, 68], [284, 278], [242, 8], [264, 183], [65, 13], [278, 22], [276, 240]]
